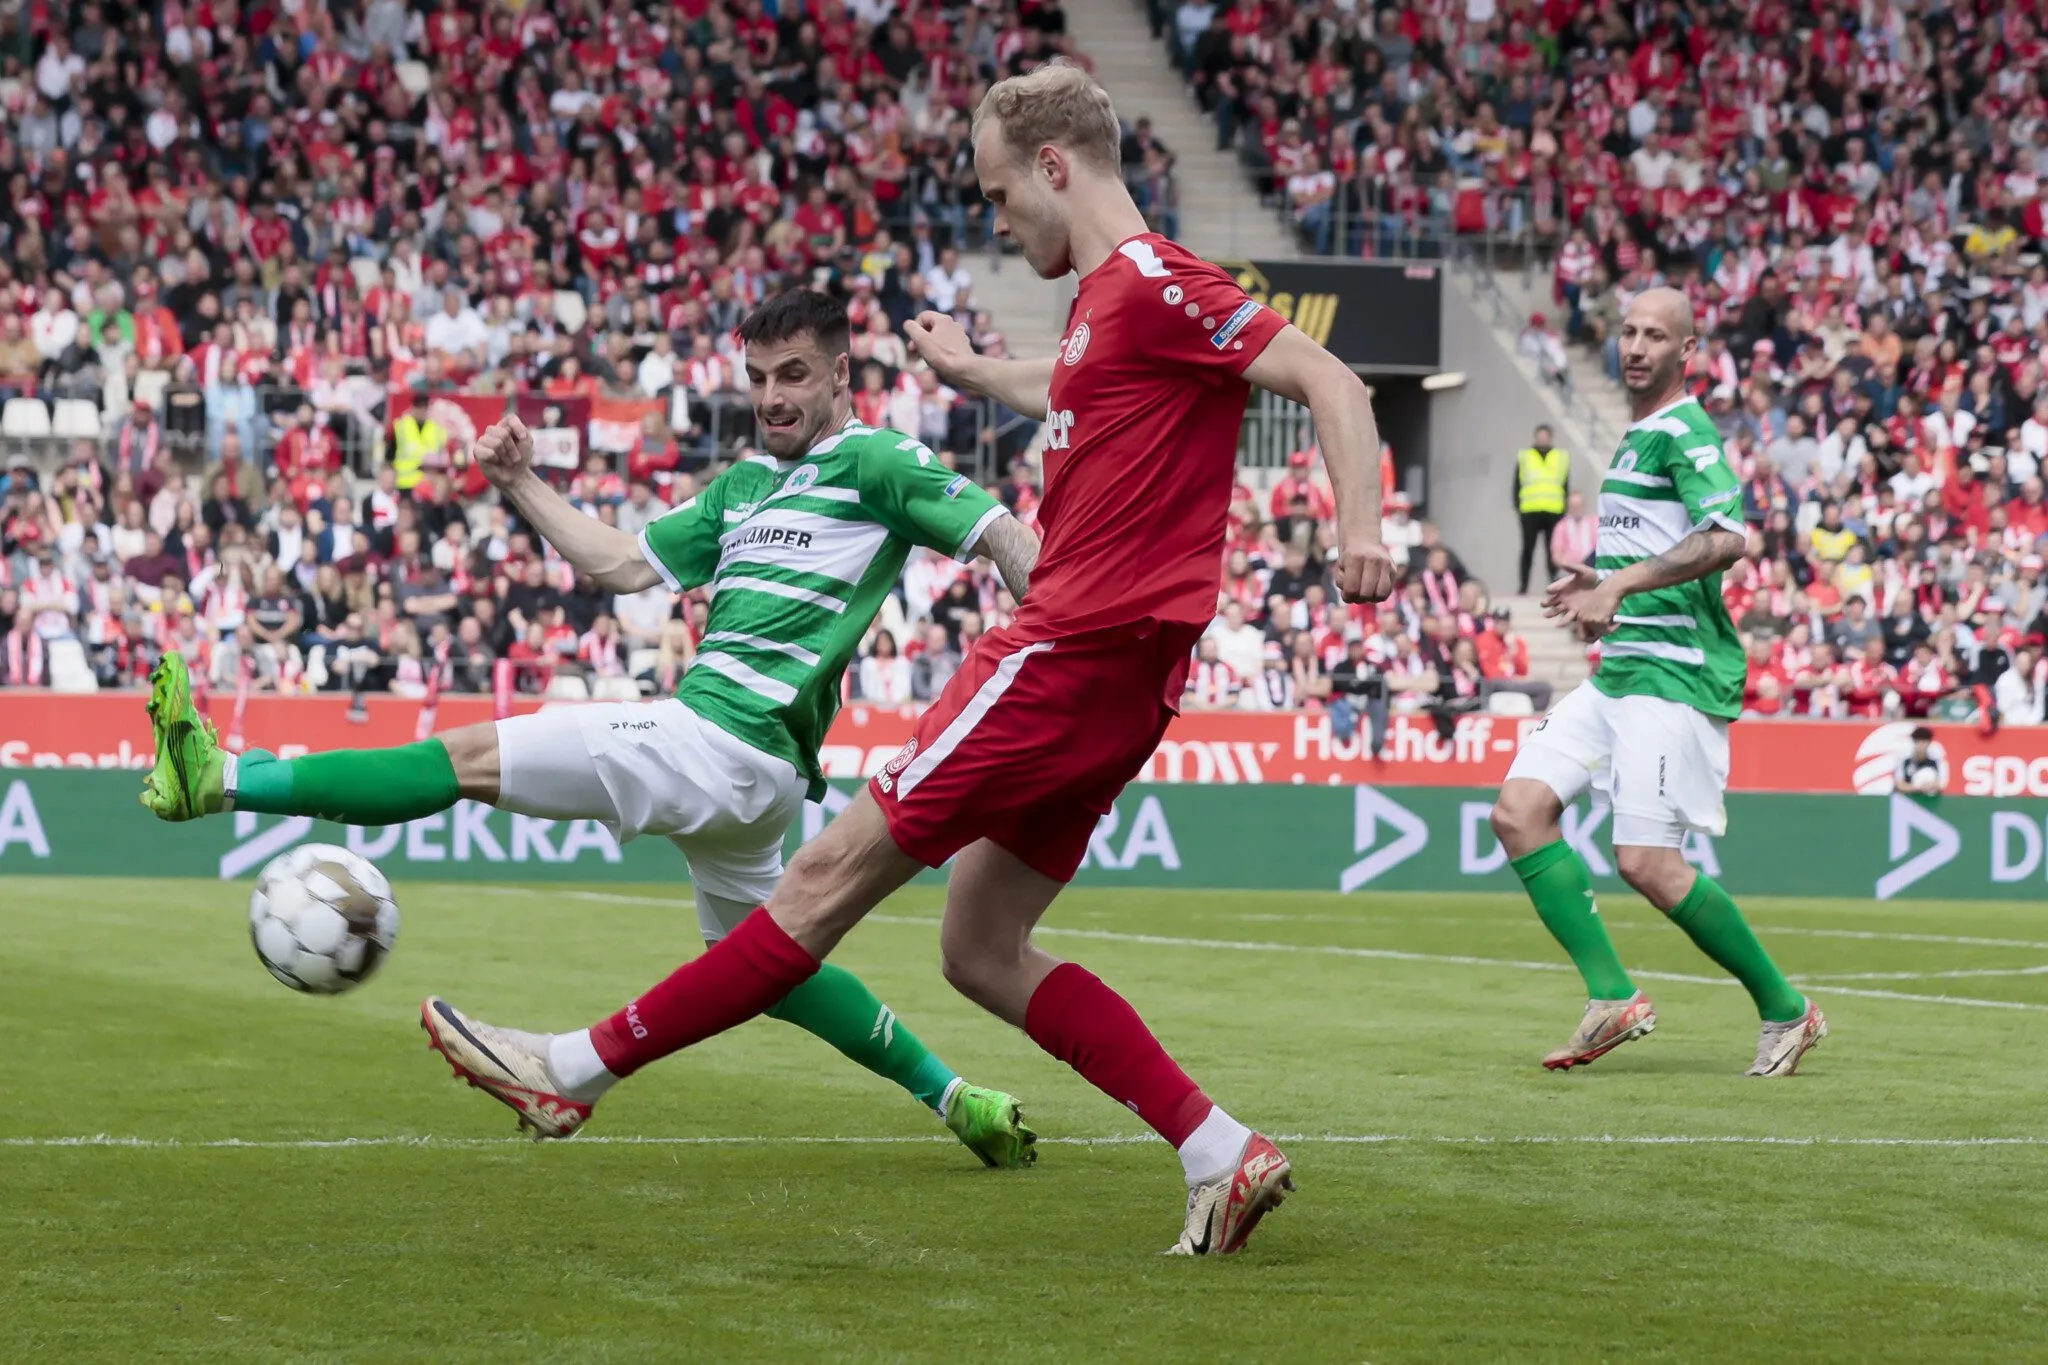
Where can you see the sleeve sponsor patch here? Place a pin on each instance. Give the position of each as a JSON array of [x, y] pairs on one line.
[[1234, 324], [1725, 495], [953, 487]]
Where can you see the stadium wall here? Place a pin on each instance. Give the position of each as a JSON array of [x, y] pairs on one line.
[[42, 730], [1274, 838], [1475, 430]]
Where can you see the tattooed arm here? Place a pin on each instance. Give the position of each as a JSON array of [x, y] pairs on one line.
[[1013, 547], [1584, 599]]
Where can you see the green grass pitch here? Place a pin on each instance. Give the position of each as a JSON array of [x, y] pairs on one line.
[[761, 1199]]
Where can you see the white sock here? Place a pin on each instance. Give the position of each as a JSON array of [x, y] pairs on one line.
[[231, 769], [946, 1100], [576, 1067], [1214, 1147]]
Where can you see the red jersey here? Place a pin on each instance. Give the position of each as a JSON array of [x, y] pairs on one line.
[[1146, 401]]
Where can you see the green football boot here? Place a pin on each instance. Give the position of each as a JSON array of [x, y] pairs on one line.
[[188, 780], [992, 1126]]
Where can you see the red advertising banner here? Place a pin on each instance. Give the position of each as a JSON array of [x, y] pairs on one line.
[[109, 730]]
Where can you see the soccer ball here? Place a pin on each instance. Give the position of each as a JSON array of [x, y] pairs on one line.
[[1927, 781], [322, 918]]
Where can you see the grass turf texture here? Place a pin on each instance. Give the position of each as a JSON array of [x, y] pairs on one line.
[[135, 1009]]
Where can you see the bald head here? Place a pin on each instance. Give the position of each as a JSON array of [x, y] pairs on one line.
[[1656, 342], [1669, 308]]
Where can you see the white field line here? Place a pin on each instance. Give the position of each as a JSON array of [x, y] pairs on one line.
[[1368, 920], [106, 1140], [1453, 959], [1459, 959], [1926, 976]]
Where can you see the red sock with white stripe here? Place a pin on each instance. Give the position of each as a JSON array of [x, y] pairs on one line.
[[742, 975], [1091, 1028]]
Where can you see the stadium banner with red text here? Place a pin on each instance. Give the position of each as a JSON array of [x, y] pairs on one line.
[[109, 730], [1287, 838]]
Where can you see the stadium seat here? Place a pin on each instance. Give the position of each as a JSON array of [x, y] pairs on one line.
[[25, 419], [77, 419], [568, 687], [642, 661], [150, 386], [316, 667], [415, 77], [1510, 704], [616, 689], [367, 272], [69, 671]]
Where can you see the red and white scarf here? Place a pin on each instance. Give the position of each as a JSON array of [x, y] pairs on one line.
[[24, 659]]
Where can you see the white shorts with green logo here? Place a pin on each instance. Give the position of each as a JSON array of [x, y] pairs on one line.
[[657, 768], [1662, 765]]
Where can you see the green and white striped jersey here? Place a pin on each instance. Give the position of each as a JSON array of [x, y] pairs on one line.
[[799, 555], [1669, 479]]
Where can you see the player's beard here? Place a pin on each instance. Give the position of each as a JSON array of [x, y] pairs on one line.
[[790, 443], [1656, 379]]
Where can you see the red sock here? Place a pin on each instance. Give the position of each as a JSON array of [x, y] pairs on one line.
[[1094, 1030], [742, 975]]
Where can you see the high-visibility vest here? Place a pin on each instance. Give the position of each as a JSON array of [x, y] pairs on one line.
[[1543, 477], [412, 442]]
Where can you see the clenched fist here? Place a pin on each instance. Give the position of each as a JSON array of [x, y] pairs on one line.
[[941, 342], [1365, 571], [505, 451]]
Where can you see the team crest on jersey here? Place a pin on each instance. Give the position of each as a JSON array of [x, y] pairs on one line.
[[886, 780], [801, 478], [1077, 345]]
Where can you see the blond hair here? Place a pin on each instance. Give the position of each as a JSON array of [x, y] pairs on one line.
[[1058, 103]]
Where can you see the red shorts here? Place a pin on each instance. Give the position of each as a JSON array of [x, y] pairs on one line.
[[1032, 740]]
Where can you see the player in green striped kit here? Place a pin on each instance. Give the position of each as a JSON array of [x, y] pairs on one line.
[[799, 548], [1650, 729]]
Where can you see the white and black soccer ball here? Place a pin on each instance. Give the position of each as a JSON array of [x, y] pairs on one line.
[[1927, 781], [322, 918]]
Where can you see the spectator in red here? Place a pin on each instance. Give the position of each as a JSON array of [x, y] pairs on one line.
[[1966, 501], [1300, 482]]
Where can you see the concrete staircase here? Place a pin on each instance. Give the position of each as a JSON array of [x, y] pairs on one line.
[[1592, 391], [1220, 217], [1555, 656]]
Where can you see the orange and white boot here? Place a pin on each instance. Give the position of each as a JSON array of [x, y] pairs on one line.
[[1605, 1026], [1222, 1212], [506, 1064]]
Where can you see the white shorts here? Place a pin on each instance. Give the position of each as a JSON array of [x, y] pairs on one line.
[[657, 768], [1662, 765]]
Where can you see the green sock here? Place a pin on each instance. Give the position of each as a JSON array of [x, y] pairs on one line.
[[1561, 885], [352, 786], [838, 1008], [1711, 920]]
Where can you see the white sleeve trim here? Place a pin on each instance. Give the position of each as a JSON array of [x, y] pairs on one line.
[[647, 552], [963, 554]]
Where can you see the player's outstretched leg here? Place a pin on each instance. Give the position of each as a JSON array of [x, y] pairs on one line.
[[831, 883], [194, 776], [836, 1006], [994, 899], [1560, 885], [1695, 902]]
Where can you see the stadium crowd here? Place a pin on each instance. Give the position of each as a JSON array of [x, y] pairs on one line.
[[1854, 196], [268, 240], [258, 244]]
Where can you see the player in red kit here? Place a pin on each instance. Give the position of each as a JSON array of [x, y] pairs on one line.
[[1031, 741]]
